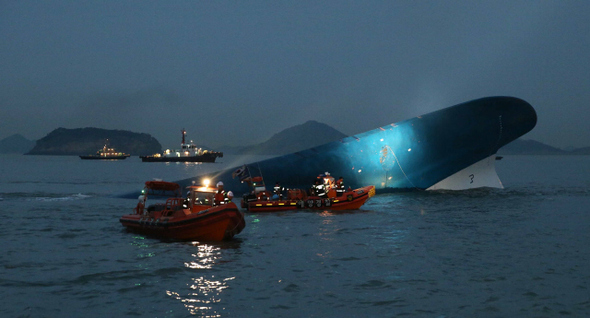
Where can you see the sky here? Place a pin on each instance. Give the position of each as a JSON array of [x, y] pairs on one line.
[[237, 72]]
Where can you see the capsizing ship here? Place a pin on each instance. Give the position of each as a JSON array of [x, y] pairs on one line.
[[450, 149]]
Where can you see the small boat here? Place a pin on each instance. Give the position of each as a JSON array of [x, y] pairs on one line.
[[107, 153], [188, 152], [197, 217], [297, 199], [334, 198]]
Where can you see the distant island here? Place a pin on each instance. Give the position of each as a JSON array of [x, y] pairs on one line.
[[532, 147], [296, 138], [83, 141], [16, 144]]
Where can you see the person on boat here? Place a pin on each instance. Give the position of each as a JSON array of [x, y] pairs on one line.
[[320, 188], [328, 181], [340, 186], [222, 197], [185, 203], [278, 190], [141, 202], [313, 188]]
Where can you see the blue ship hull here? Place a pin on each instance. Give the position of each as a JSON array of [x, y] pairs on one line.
[[417, 153]]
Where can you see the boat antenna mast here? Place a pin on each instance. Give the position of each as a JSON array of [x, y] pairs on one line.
[[183, 134]]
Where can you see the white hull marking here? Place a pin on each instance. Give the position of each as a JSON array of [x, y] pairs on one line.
[[478, 175]]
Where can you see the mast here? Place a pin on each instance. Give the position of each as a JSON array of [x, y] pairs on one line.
[[183, 134]]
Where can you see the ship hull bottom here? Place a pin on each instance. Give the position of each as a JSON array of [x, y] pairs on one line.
[[478, 175]]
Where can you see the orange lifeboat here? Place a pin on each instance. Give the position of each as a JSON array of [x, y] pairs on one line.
[[197, 217], [298, 199]]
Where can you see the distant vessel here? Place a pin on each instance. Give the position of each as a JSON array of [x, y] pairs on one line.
[[107, 153], [188, 152]]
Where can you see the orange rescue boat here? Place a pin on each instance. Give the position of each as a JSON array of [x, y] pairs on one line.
[[198, 217], [298, 199]]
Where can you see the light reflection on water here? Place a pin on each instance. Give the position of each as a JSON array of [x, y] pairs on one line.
[[327, 229], [517, 252], [205, 257], [139, 241], [204, 290]]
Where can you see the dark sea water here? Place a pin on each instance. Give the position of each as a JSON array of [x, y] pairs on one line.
[[523, 251]]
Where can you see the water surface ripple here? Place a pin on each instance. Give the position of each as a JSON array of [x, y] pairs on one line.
[[517, 252]]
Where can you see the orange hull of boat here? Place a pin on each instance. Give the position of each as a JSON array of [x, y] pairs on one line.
[[217, 223], [351, 200]]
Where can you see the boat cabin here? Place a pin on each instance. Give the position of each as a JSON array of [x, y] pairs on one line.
[[200, 198]]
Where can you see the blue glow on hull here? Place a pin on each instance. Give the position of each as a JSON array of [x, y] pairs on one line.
[[412, 154]]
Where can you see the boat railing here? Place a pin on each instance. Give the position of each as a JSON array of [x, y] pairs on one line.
[[155, 207], [173, 204]]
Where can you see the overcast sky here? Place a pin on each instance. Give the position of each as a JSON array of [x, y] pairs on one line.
[[233, 72]]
